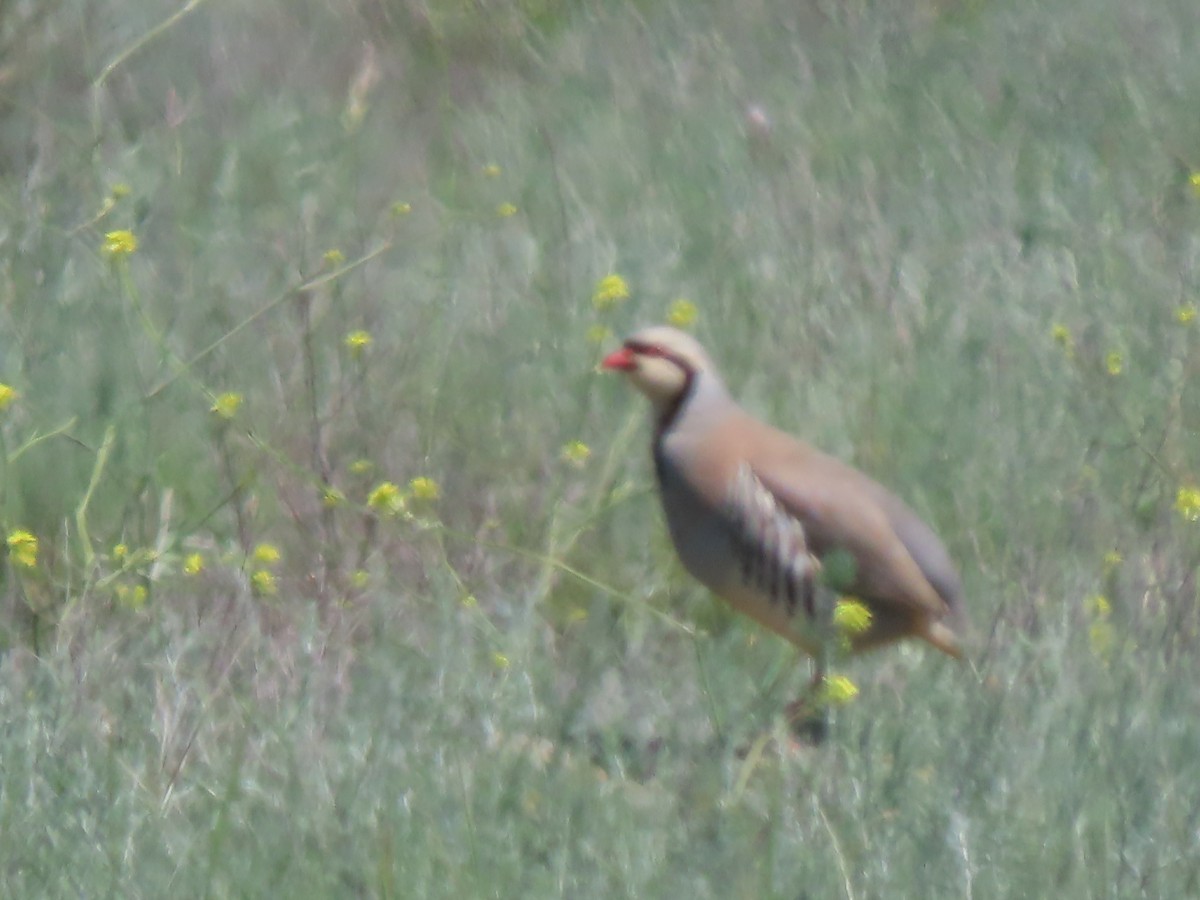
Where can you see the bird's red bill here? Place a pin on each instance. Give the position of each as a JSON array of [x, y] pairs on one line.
[[622, 360]]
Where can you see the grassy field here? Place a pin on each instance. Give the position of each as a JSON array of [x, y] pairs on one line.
[[334, 569]]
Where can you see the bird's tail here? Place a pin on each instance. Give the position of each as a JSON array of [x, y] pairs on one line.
[[943, 637]]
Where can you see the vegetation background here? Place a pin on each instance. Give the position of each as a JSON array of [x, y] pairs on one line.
[[333, 568]]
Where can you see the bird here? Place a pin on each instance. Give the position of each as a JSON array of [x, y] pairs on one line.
[[779, 529]]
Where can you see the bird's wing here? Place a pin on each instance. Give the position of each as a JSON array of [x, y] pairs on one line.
[[846, 526]]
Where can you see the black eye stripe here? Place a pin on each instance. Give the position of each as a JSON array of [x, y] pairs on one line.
[[654, 350], [645, 349]]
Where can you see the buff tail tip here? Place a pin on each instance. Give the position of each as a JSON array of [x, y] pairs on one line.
[[944, 638]]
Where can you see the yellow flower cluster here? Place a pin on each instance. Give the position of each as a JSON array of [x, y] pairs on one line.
[[23, 548], [132, 596], [597, 334], [838, 690], [226, 405], [119, 243], [1186, 314], [1187, 503], [425, 489], [193, 564], [263, 582], [357, 342], [1114, 363], [266, 554], [1062, 336], [682, 313], [610, 292], [386, 498], [7, 396], [851, 616], [575, 453], [1098, 605], [334, 258]]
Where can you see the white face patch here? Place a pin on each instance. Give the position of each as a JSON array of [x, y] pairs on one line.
[[662, 380]]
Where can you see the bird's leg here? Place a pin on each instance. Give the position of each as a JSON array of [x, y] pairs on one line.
[[808, 714]]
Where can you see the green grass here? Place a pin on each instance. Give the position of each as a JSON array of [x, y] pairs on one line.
[[512, 690]]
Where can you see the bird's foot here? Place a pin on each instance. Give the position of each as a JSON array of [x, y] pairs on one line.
[[808, 720]]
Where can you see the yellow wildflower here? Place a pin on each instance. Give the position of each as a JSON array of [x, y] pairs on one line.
[[504, 210], [1194, 181], [119, 243], [266, 554], [360, 579], [851, 616], [120, 552], [682, 313], [839, 690], [7, 396], [399, 208], [499, 660], [334, 257], [132, 597], [263, 583], [491, 170], [1185, 314], [23, 548], [597, 334], [358, 341], [425, 489], [1114, 363], [226, 405], [1187, 503], [120, 191], [193, 564], [386, 498], [361, 467], [610, 292], [575, 453], [469, 601], [1097, 605], [1063, 337]]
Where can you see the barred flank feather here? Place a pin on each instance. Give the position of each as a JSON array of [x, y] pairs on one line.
[[770, 545]]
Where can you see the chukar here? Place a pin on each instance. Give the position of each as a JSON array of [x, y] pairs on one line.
[[763, 519]]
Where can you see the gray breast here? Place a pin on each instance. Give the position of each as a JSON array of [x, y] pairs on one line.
[[699, 531], [748, 541]]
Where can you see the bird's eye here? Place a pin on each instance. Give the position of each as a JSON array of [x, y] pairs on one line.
[[646, 349]]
